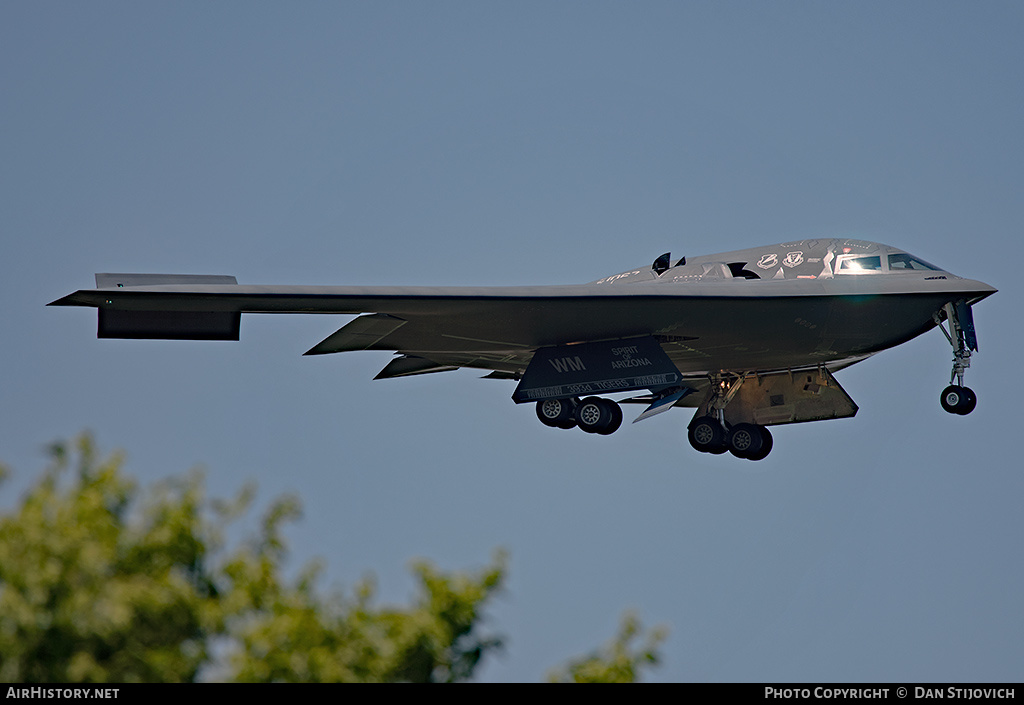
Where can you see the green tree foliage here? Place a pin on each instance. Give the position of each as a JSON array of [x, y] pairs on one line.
[[617, 661], [291, 633], [102, 582], [87, 595]]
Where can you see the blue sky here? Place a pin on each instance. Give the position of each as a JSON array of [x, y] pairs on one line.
[[535, 143]]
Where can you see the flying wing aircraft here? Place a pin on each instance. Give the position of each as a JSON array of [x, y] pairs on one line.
[[750, 338]]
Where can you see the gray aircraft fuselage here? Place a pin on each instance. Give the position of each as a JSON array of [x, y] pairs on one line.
[[805, 304]]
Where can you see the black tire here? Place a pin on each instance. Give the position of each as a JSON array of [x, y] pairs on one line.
[[950, 398], [591, 415], [616, 418], [766, 445], [745, 440], [596, 415], [706, 435], [969, 403], [556, 413], [958, 400]]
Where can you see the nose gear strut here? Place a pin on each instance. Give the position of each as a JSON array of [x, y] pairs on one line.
[[956, 398]]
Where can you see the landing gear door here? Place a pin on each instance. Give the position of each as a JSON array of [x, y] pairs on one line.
[[965, 317], [597, 368], [771, 400]]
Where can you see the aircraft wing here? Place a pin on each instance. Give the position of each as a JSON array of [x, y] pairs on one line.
[[750, 326], [492, 317], [495, 328]]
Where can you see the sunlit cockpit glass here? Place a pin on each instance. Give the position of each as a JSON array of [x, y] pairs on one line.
[[861, 264], [906, 263]]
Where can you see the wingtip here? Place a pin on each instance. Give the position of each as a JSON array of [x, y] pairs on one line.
[[68, 300]]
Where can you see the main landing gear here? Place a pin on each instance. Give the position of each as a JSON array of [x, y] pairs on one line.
[[592, 415], [956, 398], [712, 431], [744, 440]]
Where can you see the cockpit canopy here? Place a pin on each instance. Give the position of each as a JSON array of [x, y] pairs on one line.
[[803, 259], [876, 264]]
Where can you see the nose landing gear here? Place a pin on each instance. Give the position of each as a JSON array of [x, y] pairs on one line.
[[956, 398]]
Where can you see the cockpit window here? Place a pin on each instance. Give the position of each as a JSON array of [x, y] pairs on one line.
[[906, 263], [855, 265]]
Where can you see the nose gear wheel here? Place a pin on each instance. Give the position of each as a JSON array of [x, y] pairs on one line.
[[958, 400]]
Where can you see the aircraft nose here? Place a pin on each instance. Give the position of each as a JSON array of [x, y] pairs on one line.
[[980, 290]]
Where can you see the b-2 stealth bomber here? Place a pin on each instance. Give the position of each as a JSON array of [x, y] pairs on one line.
[[750, 338]]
